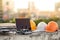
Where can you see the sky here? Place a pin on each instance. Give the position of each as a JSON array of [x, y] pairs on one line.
[[42, 5]]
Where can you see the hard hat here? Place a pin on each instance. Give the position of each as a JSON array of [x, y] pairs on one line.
[[52, 26], [33, 25], [41, 26]]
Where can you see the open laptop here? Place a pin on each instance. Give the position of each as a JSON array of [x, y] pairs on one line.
[[23, 24]]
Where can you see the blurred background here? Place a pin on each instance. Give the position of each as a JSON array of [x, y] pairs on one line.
[[37, 10]]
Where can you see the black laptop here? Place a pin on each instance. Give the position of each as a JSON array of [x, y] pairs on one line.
[[23, 24]]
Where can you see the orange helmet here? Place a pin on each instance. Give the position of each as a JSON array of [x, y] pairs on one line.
[[52, 26], [33, 25]]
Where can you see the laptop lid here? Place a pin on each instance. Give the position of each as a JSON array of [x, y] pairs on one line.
[[23, 23]]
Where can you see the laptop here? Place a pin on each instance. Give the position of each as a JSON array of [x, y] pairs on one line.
[[23, 25]]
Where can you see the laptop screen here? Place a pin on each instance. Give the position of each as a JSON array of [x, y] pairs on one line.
[[23, 23]]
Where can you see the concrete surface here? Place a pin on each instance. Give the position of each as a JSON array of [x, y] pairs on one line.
[[33, 36]]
